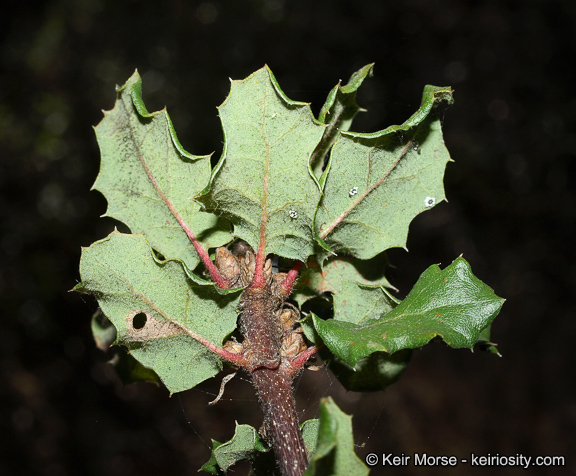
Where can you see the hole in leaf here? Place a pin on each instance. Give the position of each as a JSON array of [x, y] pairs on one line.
[[139, 321]]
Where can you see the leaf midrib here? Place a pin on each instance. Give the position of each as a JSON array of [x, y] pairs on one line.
[[324, 233]]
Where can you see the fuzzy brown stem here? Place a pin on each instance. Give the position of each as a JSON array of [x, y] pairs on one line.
[[272, 347], [274, 389]]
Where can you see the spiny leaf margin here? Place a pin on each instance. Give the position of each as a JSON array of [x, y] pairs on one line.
[[376, 183], [334, 453], [451, 303], [126, 278], [246, 444], [144, 167], [263, 182], [338, 112]]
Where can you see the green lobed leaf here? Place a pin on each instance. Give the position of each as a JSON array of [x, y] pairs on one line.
[[485, 344], [263, 180], [338, 113], [103, 330], [358, 303], [334, 453], [155, 306], [375, 184], [246, 444], [316, 279], [372, 373], [130, 370], [211, 466], [149, 180], [450, 303]]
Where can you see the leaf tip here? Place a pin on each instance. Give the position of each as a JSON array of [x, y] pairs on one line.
[[79, 288]]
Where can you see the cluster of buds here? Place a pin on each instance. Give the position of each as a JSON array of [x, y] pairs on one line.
[[286, 334], [293, 341]]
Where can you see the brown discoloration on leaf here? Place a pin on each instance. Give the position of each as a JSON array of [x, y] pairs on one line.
[[153, 328]]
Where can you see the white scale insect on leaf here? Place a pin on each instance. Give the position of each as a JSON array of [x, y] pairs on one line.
[[293, 214], [353, 191], [429, 202]]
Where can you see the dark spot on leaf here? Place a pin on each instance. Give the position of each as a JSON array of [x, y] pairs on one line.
[[159, 256], [139, 321]]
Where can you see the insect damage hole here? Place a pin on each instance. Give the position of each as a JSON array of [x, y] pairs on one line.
[[143, 325], [139, 321]]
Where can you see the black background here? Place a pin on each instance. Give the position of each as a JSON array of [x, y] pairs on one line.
[[511, 212]]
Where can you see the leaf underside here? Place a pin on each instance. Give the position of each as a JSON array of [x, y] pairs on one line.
[[131, 285], [150, 181], [376, 184], [296, 186], [246, 444], [334, 453], [337, 113], [263, 181]]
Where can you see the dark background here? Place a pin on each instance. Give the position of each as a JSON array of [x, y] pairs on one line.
[[511, 212]]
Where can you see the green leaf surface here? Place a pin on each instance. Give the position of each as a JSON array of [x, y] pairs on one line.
[[450, 303], [485, 344], [338, 112], [149, 180], [246, 444], [372, 373], [334, 453], [103, 330], [310, 434], [335, 272], [263, 181], [375, 184], [155, 308], [358, 303], [130, 370], [211, 466]]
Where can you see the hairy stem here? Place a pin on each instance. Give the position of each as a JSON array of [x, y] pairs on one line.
[[274, 389], [268, 360]]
